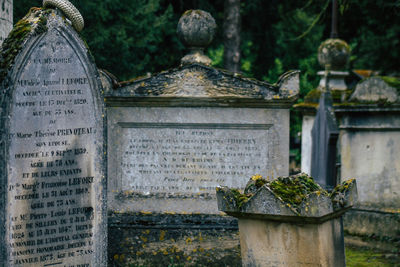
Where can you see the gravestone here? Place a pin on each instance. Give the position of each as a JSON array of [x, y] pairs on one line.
[[52, 141], [175, 136]]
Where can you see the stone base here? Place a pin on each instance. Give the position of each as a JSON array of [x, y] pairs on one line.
[[369, 223], [271, 243], [173, 239]]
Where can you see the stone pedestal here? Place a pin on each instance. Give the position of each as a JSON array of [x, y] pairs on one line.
[[279, 243], [274, 232], [370, 149]]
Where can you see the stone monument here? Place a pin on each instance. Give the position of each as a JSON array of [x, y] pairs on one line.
[[289, 221], [176, 135], [52, 209], [367, 117], [369, 125]]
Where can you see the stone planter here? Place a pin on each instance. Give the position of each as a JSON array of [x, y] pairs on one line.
[[274, 232]]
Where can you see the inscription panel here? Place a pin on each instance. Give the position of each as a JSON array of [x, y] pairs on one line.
[[190, 158], [53, 158]]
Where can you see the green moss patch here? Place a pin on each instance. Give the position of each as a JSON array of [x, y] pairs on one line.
[[392, 81], [358, 257], [338, 96], [341, 188], [293, 190], [33, 23]]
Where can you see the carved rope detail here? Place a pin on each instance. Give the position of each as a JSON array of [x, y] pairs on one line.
[[69, 10]]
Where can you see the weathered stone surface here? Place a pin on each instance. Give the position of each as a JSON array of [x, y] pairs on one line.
[[274, 233], [6, 17], [150, 239], [270, 243], [171, 159], [334, 54], [200, 85], [196, 30], [265, 201], [306, 127], [375, 89], [316, 207], [176, 135], [217, 127], [383, 226], [53, 162]]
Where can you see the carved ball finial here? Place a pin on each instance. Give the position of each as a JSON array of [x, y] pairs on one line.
[[334, 53], [196, 30]]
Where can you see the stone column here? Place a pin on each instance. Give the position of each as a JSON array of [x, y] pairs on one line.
[[6, 18], [301, 227]]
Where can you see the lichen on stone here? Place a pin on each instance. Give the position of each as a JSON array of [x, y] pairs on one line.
[[291, 190], [338, 194], [294, 189], [240, 198]]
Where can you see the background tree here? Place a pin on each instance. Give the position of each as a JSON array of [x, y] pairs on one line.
[[232, 35], [132, 37]]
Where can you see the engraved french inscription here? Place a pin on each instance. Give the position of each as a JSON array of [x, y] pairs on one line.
[[52, 148], [190, 158]]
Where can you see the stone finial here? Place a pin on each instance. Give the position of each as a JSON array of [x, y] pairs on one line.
[[196, 30], [334, 54]]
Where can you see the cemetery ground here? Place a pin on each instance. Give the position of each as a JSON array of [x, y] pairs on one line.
[[355, 257], [363, 257]]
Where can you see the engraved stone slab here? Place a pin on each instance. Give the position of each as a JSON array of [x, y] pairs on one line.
[[172, 159], [54, 172]]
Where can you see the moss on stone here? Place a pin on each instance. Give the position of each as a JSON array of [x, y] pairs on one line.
[[294, 189], [240, 198], [33, 23], [392, 81], [313, 96], [341, 188], [338, 96]]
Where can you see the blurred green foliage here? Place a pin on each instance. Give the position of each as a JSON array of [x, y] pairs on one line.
[[130, 38]]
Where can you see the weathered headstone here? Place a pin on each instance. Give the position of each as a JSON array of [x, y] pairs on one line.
[[53, 181], [173, 137]]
